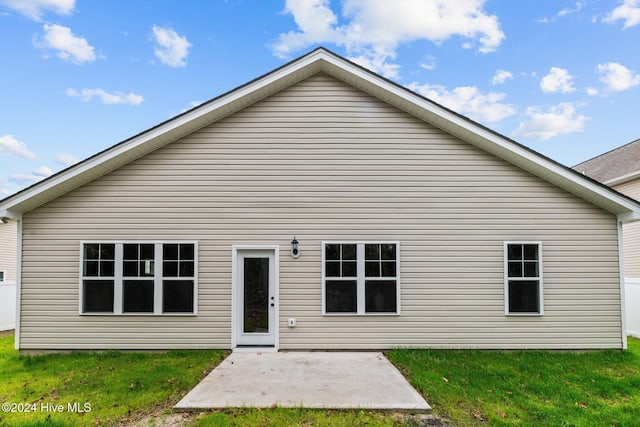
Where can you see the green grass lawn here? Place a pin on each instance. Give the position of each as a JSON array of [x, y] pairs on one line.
[[533, 388], [117, 386]]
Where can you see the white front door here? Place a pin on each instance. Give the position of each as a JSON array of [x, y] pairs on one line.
[[256, 297]]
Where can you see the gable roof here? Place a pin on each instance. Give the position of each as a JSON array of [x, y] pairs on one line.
[[614, 167], [319, 60]]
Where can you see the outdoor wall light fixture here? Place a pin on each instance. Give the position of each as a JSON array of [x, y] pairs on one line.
[[295, 251]]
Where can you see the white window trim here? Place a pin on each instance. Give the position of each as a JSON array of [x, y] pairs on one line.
[[360, 276], [157, 278], [507, 278]]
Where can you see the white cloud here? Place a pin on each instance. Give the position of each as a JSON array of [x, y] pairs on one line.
[[3, 190], [592, 91], [373, 29], [66, 159], [558, 80], [172, 49], [377, 61], [568, 11], [43, 171], [11, 146], [564, 12], [69, 47], [501, 76], [36, 175], [34, 9], [429, 63], [106, 97], [556, 120], [468, 100], [628, 11], [617, 77], [25, 178], [192, 104]]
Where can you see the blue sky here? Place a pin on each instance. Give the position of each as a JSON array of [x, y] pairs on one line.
[[560, 76]]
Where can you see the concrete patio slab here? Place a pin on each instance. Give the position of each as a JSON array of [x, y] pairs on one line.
[[336, 380]]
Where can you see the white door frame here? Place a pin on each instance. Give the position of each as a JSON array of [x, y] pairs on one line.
[[236, 303]]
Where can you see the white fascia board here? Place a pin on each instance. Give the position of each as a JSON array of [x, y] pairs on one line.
[[629, 217], [9, 214]]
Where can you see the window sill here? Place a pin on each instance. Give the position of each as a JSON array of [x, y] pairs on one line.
[[140, 314], [524, 314], [361, 315]]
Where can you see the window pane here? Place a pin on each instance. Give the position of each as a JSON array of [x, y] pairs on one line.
[[332, 252], [91, 251], [531, 269], [170, 252], [130, 268], [130, 251], [523, 296], [186, 251], [372, 269], [256, 295], [177, 296], [514, 252], [332, 269], [170, 269], [372, 252], [389, 269], [531, 252], [515, 269], [91, 268], [349, 269], [341, 296], [186, 268], [147, 251], [107, 251], [137, 296], [349, 252], [97, 296], [146, 267], [380, 296], [106, 268], [388, 251]]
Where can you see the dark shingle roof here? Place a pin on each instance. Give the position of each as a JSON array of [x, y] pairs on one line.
[[613, 164]]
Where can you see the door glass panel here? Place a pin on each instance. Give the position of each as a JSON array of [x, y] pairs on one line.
[[256, 295]]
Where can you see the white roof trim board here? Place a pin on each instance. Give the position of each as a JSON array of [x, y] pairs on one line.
[[319, 60]]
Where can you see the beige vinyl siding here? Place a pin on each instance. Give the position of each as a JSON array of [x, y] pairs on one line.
[[631, 232], [324, 161], [8, 249]]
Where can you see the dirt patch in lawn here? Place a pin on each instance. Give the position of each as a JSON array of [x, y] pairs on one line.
[[163, 419]]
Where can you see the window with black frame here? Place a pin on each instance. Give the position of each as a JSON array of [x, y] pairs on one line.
[[138, 278], [361, 277], [523, 271]]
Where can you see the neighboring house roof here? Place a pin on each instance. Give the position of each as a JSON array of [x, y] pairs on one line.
[[319, 60], [614, 167]]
